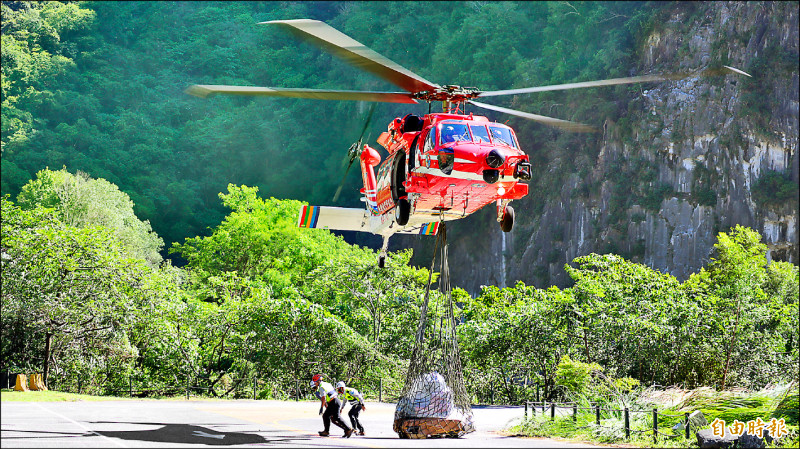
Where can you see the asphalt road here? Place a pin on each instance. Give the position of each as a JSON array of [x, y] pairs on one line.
[[198, 423]]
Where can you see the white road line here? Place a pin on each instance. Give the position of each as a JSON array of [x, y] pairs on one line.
[[81, 425]]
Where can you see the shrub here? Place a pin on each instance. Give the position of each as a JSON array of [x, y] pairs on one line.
[[774, 189], [575, 376]]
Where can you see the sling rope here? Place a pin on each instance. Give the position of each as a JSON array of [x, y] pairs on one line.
[[434, 401]]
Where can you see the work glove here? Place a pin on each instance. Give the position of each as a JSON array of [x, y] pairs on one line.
[[320, 409]]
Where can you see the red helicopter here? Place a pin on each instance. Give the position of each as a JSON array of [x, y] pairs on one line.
[[440, 167]]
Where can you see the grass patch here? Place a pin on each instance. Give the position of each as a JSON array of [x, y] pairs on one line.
[[7, 395], [52, 396], [610, 431], [672, 404]]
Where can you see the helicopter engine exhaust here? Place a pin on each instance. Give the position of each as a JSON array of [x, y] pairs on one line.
[[494, 159]]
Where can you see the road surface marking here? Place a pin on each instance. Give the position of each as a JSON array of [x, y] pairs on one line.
[[81, 425], [247, 415], [200, 433]]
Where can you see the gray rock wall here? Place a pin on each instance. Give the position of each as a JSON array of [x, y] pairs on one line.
[[697, 136]]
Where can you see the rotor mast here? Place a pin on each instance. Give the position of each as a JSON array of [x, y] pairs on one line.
[[450, 95]]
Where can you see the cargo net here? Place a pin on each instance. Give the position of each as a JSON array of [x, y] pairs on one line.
[[434, 402]]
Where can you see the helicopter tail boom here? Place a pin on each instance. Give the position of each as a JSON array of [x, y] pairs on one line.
[[349, 219]]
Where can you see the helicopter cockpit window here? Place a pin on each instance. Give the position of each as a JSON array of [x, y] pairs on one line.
[[503, 136], [479, 134], [428, 141], [453, 132]]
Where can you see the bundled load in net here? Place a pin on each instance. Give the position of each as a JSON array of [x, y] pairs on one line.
[[434, 401]]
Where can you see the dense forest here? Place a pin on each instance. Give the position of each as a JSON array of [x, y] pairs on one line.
[[86, 300], [148, 235], [98, 87]]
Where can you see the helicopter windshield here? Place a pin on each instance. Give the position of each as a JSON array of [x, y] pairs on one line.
[[479, 134], [503, 136], [453, 132]]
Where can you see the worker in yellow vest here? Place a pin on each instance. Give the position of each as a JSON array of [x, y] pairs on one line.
[[329, 408], [356, 401]]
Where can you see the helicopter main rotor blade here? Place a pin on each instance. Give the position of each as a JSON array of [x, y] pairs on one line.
[[206, 90], [341, 184], [615, 81], [354, 53], [557, 123]]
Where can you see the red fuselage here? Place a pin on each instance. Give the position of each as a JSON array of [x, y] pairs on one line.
[[448, 166]]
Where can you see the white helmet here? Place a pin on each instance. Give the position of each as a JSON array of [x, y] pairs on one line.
[[340, 385]]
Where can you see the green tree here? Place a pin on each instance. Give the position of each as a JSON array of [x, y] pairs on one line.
[[34, 55], [78, 297], [515, 333], [84, 202], [260, 240], [630, 318], [381, 303]]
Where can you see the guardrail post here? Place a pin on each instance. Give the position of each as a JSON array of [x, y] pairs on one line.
[[130, 386], [655, 426], [254, 388], [552, 411], [187, 387], [627, 424], [380, 390], [574, 412], [492, 391], [526, 409], [537, 392], [296, 390], [597, 413], [686, 415]]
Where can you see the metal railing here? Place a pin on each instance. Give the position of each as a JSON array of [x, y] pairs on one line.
[[564, 408], [251, 387]]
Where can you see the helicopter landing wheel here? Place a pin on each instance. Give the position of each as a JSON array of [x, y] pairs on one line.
[[507, 223], [402, 211]]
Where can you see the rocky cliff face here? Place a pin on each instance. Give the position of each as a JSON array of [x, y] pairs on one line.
[[694, 150]]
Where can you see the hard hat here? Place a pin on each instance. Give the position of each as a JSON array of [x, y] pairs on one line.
[[317, 378], [340, 385]]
